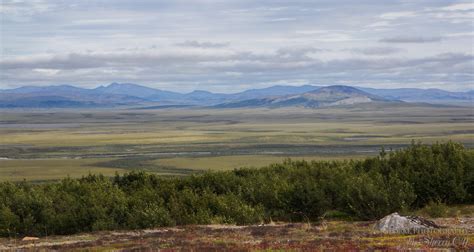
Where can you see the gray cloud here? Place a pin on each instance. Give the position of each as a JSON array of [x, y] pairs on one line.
[[194, 43], [376, 50], [296, 53], [411, 39], [189, 70], [230, 45]]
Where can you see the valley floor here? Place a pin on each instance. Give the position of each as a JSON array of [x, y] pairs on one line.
[[45, 145], [333, 235]]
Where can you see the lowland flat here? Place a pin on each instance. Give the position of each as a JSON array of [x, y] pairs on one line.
[[49, 144]]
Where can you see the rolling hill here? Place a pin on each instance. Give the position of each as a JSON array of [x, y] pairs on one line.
[[272, 91], [322, 97], [431, 95]]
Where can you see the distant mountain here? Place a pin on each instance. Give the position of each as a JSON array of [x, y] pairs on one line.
[[128, 94], [272, 91], [204, 98], [197, 97], [118, 94], [63, 96], [143, 92], [48, 90], [19, 101], [422, 95], [201, 94], [321, 97]]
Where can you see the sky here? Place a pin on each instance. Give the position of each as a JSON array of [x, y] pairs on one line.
[[229, 46]]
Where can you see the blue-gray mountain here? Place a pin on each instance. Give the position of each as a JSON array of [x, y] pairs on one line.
[[62, 96], [127, 94], [431, 95], [322, 97]]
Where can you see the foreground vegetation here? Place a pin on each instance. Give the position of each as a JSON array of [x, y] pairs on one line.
[[292, 191], [328, 235]]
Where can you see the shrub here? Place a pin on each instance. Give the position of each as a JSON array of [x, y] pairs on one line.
[[412, 178], [435, 209], [370, 196]]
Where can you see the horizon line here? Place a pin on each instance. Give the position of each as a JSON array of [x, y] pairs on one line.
[[204, 90]]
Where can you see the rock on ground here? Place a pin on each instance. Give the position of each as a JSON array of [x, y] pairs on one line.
[[396, 223]]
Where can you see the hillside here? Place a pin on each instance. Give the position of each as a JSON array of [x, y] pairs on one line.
[[322, 97], [431, 95], [135, 90], [273, 91]]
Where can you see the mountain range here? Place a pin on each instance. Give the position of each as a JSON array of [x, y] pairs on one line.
[[127, 94]]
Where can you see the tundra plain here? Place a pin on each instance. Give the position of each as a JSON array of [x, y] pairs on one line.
[[41, 145]]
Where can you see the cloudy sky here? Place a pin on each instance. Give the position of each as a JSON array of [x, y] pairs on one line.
[[228, 46]]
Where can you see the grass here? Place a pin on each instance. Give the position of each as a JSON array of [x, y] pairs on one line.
[[326, 127], [439, 210], [323, 126], [232, 162], [53, 169], [50, 169], [191, 139], [332, 236]]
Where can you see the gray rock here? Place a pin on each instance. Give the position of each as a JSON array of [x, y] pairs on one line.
[[395, 223]]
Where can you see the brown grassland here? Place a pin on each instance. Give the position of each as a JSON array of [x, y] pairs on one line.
[[333, 235], [50, 144]]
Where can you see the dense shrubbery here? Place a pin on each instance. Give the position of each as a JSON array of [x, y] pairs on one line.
[[291, 191]]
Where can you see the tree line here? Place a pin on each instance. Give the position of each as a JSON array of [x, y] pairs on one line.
[[366, 189]]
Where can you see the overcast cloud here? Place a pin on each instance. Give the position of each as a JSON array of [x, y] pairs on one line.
[[229, 46]]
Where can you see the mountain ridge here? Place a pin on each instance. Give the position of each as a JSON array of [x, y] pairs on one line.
[[337, 95], [117, 94]]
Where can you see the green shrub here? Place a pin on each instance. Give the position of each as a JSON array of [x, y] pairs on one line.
[[435, 209], [404, 180], [370, 196], [149, 216], [9, 222]]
